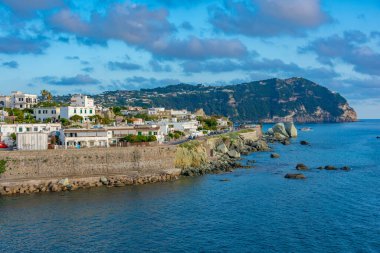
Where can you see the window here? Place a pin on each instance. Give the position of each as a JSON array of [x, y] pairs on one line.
[[81, 111], [20, 129], [90, 111], [28, 129], [155, 133], [139, 133], [150, 133], [36, 129], [39, 111]]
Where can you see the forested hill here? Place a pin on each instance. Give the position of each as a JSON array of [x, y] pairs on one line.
[[270, 100]]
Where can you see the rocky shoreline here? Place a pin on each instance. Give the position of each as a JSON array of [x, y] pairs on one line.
[[66, 184]]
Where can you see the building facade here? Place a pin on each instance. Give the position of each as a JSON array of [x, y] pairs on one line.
[[45, 113], [80, 100], [85, 112], [20, 100], [85, 138]]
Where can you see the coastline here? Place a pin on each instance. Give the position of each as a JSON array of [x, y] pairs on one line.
[[69, 170]]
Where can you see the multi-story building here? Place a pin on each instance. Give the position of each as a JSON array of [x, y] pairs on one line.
[[45, 113], [104, 137], [80, 105], [20, 100], [80, 100], [7, 130], [85, 138]]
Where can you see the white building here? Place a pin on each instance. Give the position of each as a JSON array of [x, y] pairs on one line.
[[85, 138], [80, 100], [180, 114], [21, 100], [5, 101], [155, 111], [32, 141], [44, 113], [80, 105], [6, 130], [69, 111], [167, 126]]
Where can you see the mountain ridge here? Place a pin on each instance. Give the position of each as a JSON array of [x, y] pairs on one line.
[[272, 100]]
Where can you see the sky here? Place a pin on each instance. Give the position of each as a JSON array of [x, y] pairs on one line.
[[91, 46]]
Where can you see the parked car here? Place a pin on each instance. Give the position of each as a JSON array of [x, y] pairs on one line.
[[3, 145]]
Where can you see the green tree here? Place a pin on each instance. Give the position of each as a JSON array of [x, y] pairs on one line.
[[47, 96], [76, 118], [65, 122]]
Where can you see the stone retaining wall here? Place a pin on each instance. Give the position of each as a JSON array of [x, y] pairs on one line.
[[86, 162]]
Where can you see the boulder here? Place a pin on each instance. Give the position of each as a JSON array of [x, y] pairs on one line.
[[301, 166], [304, 143], [55, 188], [261, 145], [291, 129], [270, 131], [64, 182], [320, 168], [233, 154], [280, 128], [285, 142], [222, 148], [295, 176], [329, 167], [274, 155], [345, 168], [104, 180], [280, 137]]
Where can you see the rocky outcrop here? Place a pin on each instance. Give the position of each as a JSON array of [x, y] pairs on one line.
[[295, 176], [291, 129], [226, 151], [282, 132], [274, 155], [301, 166]]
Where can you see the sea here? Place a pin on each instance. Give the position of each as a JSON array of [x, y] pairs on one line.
[[248, 210]]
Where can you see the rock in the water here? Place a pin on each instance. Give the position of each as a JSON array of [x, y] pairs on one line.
[[320, 168], [64, 182], [104, 180], [301, 166], [280, 137], [285, 142], [280, 128], [304, 143], [274, 155], [295, 176], [222, 148], [261, 145], [233, 154], [224, 180], [329, 167], [345, 168], [270, 131], [291, 129]]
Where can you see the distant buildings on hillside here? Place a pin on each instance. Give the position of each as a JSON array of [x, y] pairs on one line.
[[86, 129]]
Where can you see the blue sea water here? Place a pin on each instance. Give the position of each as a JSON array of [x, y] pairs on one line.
[[257, 210]]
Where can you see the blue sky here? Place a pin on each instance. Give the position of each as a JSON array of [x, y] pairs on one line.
[[90, 46]]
